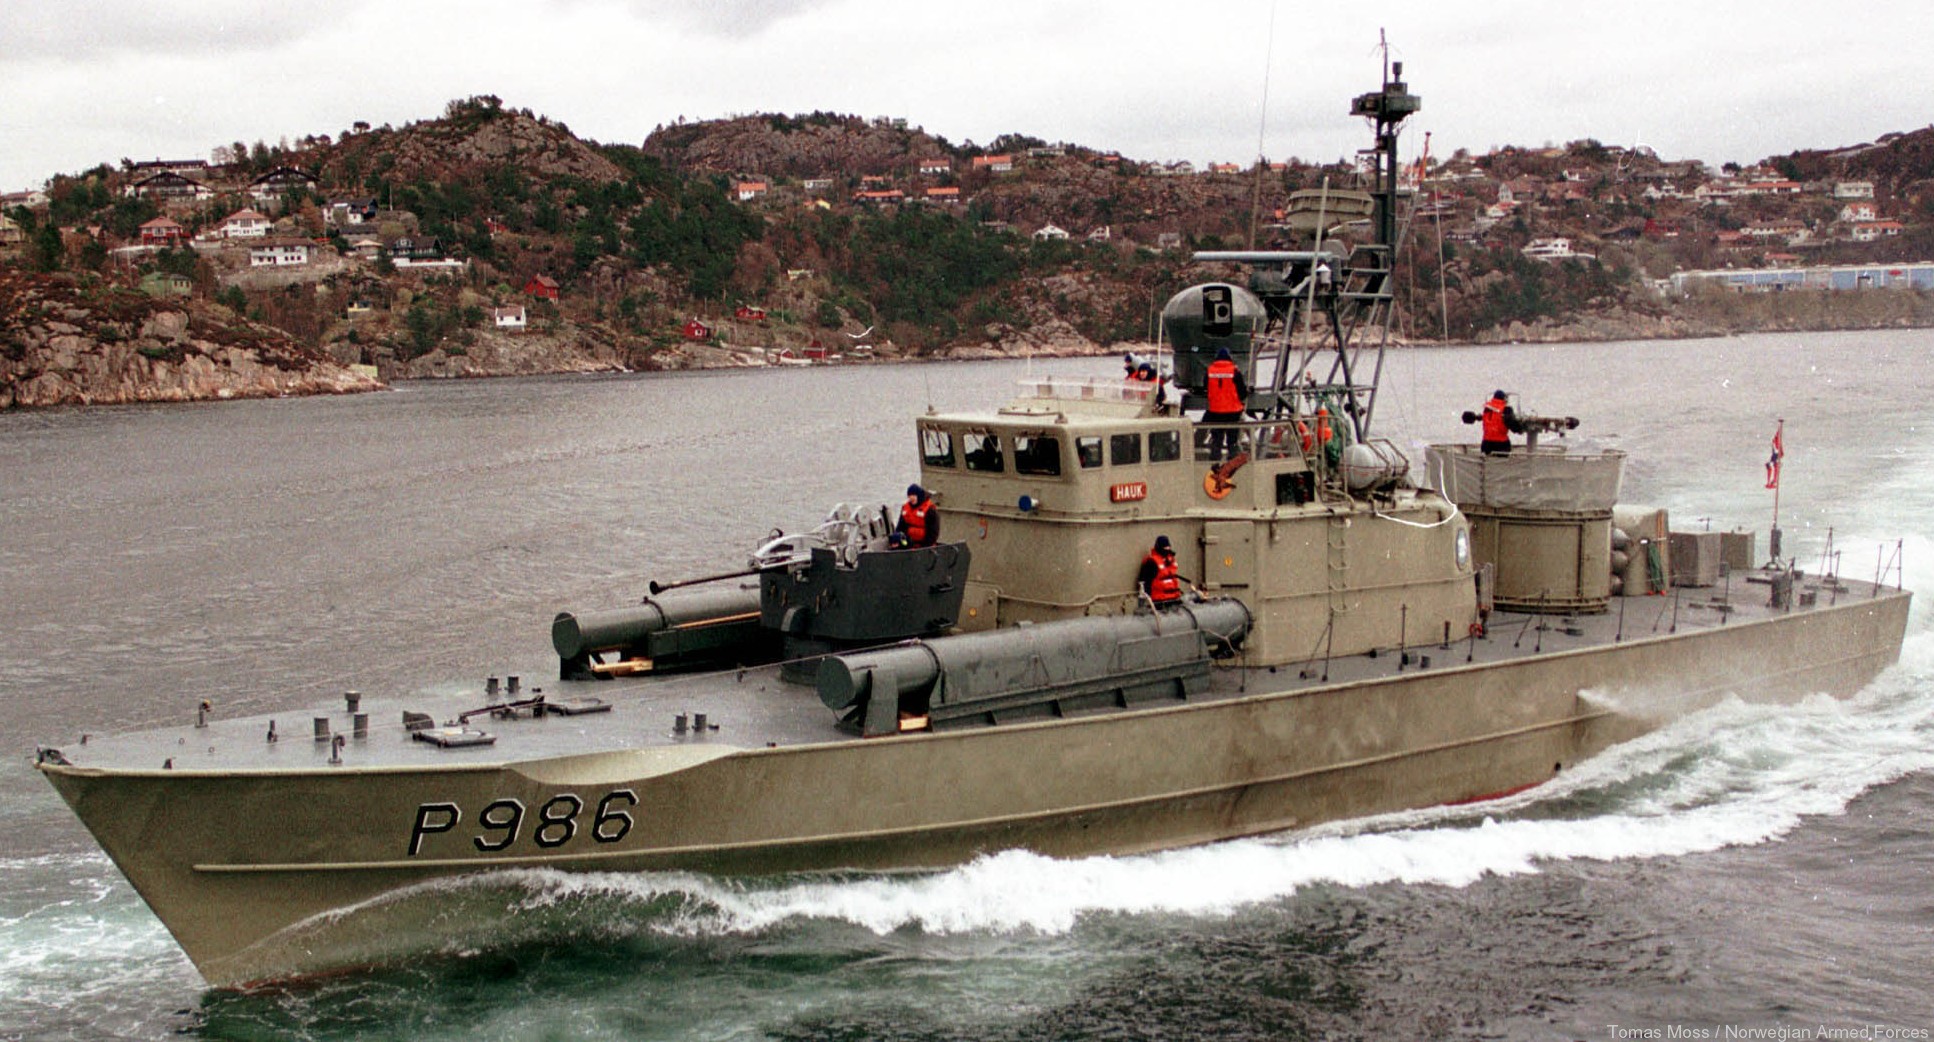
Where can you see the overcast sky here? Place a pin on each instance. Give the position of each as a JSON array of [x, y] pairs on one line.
[[90, 81]]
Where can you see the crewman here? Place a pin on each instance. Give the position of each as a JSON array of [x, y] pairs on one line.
[[919, 525], [1159, 581], [1499, 421], [1146, 374], [1226, 391]]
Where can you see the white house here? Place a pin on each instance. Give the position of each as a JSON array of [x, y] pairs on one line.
[[510, 319], [1050, 231], [244, 224], [1553, 249], [279, 254], [1859, 212], [1853, 190]]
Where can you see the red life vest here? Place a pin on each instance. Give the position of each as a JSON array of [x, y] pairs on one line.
[[1222, 388], [1494, 429], [913, 520], [1167, 585]]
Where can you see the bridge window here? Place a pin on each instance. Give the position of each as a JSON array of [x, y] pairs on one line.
[[1037, 454], [1088, 451], [1164, 446], [1124, 449], [936, 447], [983, 453]]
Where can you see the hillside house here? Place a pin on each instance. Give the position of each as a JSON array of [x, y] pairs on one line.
[[1225, 168], [935, 167], [693, 329], [162, 232], [1859, 212], [31, 199], [194, 168], [1714, 193], [244, 224], [367, 245], [1100, 233], [1049, 231], [343, 213], [817, 184], [160, 284], [749, 313], [277, 182], [1553, 250], [279, 253], [947, 194], [543, 287], [509, 319], [1785, 230], [1853, 190], [877, 196], [750, 190], [169, 188], [1000, 164], [1870, 231], [10, 231], [1567, 191], [416, 248]]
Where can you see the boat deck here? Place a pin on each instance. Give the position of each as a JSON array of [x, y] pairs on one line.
[[753, 708]]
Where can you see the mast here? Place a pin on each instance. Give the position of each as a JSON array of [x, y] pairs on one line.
[[1333, 296]]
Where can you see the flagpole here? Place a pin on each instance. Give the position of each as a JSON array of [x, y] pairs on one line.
[[1779, 453]]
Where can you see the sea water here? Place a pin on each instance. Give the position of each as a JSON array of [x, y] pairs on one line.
[[1743, 872]]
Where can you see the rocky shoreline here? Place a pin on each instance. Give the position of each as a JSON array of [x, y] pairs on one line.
[[63, 342]]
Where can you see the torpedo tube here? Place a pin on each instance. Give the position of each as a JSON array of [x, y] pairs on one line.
[[1046, 669]]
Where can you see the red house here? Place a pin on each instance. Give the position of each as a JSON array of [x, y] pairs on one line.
[[542, 286], [749, 313], [696, 330], [162, 232]]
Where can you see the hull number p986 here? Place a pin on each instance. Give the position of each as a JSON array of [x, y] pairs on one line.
[[556, 822]]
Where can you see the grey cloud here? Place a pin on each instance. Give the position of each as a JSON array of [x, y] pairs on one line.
[[726, 18], [82, 30]]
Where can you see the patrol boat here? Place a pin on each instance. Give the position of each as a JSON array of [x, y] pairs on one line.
[[1361, 641]]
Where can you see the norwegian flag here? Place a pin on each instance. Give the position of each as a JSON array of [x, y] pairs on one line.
[[1773, 463]]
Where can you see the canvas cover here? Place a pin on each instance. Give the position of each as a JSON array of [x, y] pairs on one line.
[[1548, 479]]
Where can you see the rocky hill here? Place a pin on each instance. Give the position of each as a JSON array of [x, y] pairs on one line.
[[499, 242], [64, 341], [476, 136], [794, 147]]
